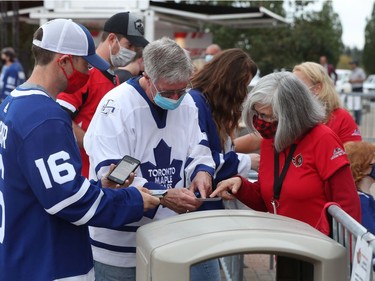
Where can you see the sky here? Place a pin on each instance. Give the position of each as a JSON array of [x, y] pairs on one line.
[[353, 14]]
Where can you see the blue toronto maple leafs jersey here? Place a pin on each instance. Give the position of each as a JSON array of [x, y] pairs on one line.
[[45, 203], [169, 144], [228, 162]]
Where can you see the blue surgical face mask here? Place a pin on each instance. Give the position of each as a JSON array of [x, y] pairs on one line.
[[209, 57], [372, 173], [167, 104]]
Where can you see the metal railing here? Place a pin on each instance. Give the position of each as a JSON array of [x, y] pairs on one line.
[[346, 230], [233, 266]]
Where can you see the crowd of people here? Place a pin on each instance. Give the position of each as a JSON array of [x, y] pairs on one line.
[[66, 127], [120, 38]]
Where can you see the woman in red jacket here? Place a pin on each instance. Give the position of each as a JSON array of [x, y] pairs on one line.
[[320, 84], [302, 162]]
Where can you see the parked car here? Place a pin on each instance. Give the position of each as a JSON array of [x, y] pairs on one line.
[[342, 83], [369, 86]]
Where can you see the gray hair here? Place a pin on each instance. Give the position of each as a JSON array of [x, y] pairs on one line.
[[165, 59], [295, 108]]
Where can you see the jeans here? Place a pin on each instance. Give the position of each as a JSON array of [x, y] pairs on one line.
[[358, 111], [358, 116], [204, 271], [105, 272]]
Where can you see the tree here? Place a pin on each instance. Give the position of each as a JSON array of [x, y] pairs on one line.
[[311, 35], [319, 33], [368, 57], [268, 47]]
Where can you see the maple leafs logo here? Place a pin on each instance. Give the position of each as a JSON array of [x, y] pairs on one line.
[[165, 172]]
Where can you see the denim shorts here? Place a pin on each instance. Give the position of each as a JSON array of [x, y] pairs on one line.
[[105, 272]]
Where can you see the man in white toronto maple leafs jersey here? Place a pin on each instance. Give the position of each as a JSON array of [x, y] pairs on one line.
[[151, 118], [45, 203]]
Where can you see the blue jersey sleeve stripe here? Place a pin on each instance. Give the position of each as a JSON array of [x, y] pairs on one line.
[[204, 142], [114, 248], [91, 212], [105, 163], [202, 168], [70, 200]]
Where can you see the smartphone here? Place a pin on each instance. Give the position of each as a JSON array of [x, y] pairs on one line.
[[208, 199], [124, 168]]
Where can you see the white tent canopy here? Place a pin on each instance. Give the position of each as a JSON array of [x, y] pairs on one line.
[[161, 17]]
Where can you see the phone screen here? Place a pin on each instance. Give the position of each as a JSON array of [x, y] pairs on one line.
[[123, 169]]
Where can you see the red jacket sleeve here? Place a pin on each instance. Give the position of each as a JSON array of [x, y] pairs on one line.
[[324, 222], [250, 195], [341, 189]]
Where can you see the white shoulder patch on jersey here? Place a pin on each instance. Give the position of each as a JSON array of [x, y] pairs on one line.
[[108, 107], [3, 134], [337, 152], [356, 132]]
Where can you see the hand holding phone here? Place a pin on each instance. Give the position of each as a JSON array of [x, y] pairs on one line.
[[199, 197], [124, 168]]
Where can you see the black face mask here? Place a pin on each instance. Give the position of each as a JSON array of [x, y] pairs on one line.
[[372, 173]]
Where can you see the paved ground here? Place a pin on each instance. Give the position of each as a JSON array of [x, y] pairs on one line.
[[257, 268]]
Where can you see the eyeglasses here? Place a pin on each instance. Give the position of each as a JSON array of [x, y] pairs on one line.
[[171, 93], [265, 117]]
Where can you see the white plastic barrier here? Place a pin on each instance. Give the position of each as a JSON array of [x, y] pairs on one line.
[[167, 249]]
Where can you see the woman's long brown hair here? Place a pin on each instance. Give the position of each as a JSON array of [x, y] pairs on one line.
[[224, 83]]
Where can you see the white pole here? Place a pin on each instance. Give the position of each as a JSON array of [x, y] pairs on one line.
[[150, 25]]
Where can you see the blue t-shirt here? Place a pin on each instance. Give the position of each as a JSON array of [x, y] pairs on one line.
[[368, 211]]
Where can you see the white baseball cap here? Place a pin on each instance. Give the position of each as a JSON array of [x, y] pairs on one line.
[[67, 37]]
